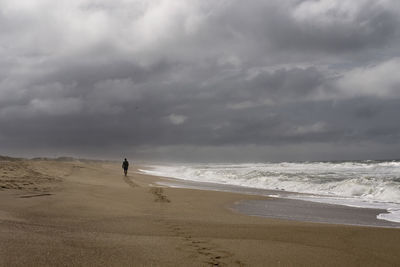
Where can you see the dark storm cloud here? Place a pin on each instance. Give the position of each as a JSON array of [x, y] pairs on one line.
[[341, 29], [150, 78]]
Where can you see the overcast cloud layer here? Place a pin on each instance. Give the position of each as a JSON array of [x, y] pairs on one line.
[[201, 80]]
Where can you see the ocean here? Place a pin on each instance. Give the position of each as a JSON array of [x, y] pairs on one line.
[[364, 184]]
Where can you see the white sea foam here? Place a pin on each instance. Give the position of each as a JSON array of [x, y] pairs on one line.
[[368, 184]]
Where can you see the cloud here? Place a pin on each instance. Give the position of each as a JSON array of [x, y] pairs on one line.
[[379, 80], [315, 128], [101, 77], [177, 119], [337, 26], [46, 107]]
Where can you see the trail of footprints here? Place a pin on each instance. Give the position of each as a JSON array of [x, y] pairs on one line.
[[158, 192], [202, 249], [129, 182]]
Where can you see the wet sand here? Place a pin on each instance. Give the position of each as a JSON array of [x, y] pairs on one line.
[[72, 213], [307, 211], [283, 207]]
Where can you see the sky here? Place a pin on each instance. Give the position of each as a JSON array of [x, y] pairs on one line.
[[200, 80]]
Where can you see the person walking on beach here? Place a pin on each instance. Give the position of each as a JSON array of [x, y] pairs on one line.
[[125, 166]]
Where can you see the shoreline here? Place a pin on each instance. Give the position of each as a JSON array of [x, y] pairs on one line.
[[279, 205], [89, 214]]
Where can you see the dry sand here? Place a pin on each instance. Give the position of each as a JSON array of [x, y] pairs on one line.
[[73, 213]]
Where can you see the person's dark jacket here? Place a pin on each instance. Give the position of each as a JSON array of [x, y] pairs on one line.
[[125, 164]]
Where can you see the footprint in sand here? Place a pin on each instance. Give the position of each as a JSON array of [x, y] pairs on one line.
[[203, 250], [158, 192], [130, 182]]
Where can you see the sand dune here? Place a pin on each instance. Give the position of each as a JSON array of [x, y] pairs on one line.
[[75, 213], [23, 175]]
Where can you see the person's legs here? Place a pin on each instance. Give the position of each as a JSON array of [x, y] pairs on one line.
[[126, 171]]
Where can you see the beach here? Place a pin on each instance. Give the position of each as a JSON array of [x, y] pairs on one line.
[[86, 213]]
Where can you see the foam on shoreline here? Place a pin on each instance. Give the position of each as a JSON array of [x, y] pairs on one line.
[[384, 211]]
